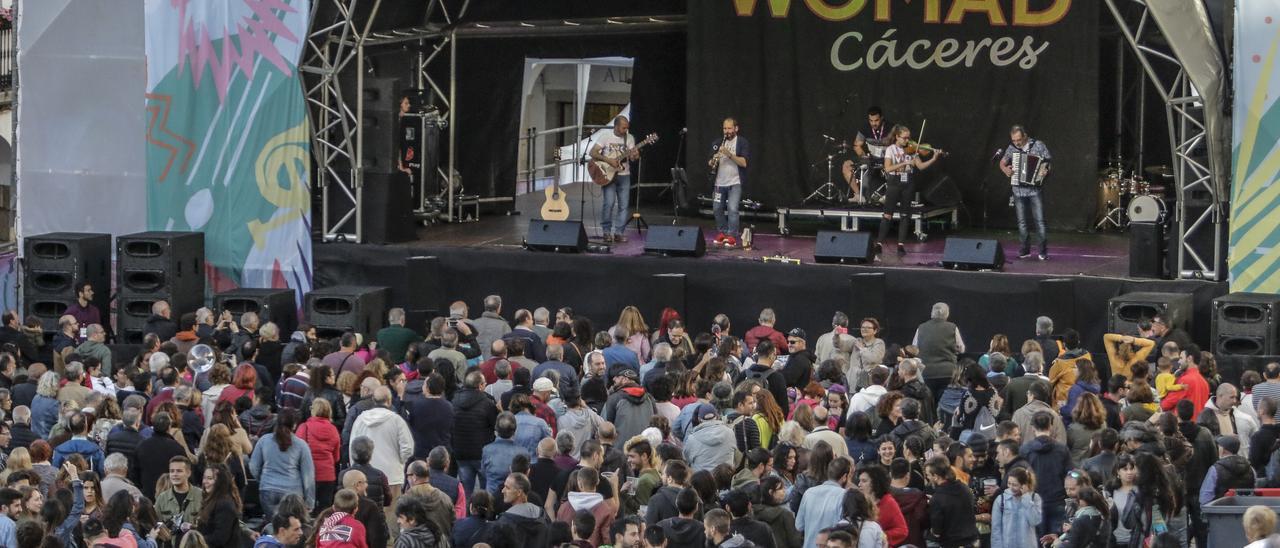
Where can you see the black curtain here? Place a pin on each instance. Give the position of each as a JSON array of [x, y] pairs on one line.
[[489, 76]]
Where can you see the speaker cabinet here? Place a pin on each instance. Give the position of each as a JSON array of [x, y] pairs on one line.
[[54, 263], [388, 208], [676, 241], [1125, 311], [973, 254], [1246, 324], [559, 236], [1147, 249], [833, 246], [154, 266], [338, 309], [381, 125], [271, 305]]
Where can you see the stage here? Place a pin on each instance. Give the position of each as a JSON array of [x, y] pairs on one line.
[[486, 257]]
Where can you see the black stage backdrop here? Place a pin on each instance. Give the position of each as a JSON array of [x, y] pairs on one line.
[[490, 71], [792, 70]]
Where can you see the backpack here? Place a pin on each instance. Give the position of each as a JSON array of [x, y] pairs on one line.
[[984, 424]]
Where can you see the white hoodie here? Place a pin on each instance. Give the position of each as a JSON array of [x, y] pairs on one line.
[[392, 441], [866, 399]]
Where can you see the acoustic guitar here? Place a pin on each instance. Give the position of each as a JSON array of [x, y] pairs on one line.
[[555, 208], [602, 173]]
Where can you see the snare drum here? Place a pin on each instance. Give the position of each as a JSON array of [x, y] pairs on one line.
[[1146, 208]]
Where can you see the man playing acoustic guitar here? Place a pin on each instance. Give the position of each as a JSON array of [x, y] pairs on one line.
[[617, 193]]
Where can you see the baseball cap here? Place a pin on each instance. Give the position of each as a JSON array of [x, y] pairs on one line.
[[621, 370], [705, 412], [797, 333], [543, 384]]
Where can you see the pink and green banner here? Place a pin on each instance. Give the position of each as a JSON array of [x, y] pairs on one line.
[[1255, 195], [228, 150]]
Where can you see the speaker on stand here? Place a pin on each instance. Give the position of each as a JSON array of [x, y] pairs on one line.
[[157, 266], [54, 264]]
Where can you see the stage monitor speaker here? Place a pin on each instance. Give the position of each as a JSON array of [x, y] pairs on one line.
[[1246, 324], [1147, 248], [559, 236], [132, 311], [54, 263], [1231, 366], [941, 191], [381, 125], [1057, 299], [278, 306], [1125, 311], [388, 209], [866, 296], [973, 254], [675, 241], [833, 246], [338, 309], [162, 263]]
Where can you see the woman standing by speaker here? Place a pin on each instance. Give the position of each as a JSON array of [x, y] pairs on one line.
[[899, 171]]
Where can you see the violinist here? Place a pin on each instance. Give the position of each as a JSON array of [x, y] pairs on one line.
[[1027, 197], [901, 161]]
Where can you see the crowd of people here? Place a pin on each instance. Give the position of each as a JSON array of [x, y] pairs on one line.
[[548, 429]]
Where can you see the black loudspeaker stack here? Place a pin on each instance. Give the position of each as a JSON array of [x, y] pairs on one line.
[[1246, 324], [1125, 311], [336, 310], [559, 236], [54, 264], [381, 124], [973, 254], [682, 241], [277, 306], [155, 266], [388, 208], [843, 247]]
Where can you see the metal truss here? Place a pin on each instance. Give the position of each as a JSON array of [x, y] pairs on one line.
[[1202, 197]]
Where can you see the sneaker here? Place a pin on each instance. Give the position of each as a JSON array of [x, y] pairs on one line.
[[1044, 256], [902, 251], [878, 249], [1024, 254], [720, 237], [730, 241], [620, 238]]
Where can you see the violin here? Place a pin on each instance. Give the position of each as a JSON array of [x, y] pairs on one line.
[[923, 150]]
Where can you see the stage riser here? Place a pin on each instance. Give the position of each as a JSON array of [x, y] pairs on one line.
[[982, 304]]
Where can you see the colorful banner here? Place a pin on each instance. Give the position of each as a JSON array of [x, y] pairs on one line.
[[1254, 258], [799, 76], [228, 150]]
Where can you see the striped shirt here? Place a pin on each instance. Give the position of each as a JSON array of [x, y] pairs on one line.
[[1267, 389]]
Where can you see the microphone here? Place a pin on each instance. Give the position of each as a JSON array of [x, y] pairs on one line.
[[997, 154], [684, 130], [828, 137]]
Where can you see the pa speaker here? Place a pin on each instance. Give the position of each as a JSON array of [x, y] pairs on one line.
[[561, 236], [684, 241], [163, 262], [381, 124], [54, 263], [1246, 324], [388, 208], [1146, 250], [834, 246], [942, 191], [973, 254], [277, 306], [1125, 311], [345, 308]]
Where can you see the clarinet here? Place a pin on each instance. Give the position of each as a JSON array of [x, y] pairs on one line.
[[713, 165]]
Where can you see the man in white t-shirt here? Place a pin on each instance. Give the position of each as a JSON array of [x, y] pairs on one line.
[[618, 150], [730, 167]]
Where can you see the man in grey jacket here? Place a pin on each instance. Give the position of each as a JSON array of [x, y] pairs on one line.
[[710, 442], [490, 326]]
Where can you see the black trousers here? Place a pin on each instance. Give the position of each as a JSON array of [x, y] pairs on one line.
[[897, 199]]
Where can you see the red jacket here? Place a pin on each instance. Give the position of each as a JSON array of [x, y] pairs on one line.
[[1197, 391], [341, 530], [489, 368], [231, 394], [892, 521], [325, 444], [762, 332]]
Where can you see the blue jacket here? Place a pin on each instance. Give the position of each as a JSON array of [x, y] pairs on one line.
[[495, 462], [529, 431], [290, 471], [618, 353], [66, 531], [744, 150], [44, 414], [91, 451], [1014, 520], [1073, 397]]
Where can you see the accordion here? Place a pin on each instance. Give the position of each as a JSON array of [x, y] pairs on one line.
[[1028, 169]]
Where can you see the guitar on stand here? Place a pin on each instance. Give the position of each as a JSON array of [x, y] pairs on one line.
[[555, 208], [602, 173]]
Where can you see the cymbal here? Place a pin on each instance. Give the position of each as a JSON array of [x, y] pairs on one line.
[[1162, 171]]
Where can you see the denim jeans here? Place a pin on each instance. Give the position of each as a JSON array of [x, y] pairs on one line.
[[1055, 514], [1035, 203], [617, 197], [468, 472], [270, 500], [730, 196]]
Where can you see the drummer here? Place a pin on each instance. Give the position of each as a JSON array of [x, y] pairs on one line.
[[860, 155], [876, 132]]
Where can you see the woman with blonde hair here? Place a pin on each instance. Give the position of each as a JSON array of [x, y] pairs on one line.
[[19, 461], [638, 340], [1123, 351], [1259, 525]]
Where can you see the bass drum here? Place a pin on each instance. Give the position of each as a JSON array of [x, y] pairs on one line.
[[1146, 208]]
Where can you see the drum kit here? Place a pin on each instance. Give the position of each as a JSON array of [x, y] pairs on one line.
[[847, 170], [1125, 196]]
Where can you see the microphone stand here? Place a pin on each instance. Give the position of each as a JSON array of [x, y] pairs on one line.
[[677, 179]]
